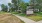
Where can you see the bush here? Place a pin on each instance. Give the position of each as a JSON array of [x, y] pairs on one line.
[[15, 12], [38, 14], [22, 14]]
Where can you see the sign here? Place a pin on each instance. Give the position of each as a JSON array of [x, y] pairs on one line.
[[29, 12]]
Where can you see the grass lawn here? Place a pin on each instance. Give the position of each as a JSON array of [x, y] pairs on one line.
[[1, 12], [8, 18], [14, 12], [36, 17], [21, 14]]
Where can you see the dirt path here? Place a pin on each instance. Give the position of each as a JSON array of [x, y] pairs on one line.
[[5, 17], [9, 18], [27, 20]]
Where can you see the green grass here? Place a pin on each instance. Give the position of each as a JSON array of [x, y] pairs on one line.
[[15, 12], [21, 14], [1, 12], [36, 17]]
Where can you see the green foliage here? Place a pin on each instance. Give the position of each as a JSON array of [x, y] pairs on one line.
[[23, 5], [39, 1], [22, 14], [15, 12], [20, 4], [15, 4], [39, 14], [2, 12], [9, 4], [4, 8], [36, 4]]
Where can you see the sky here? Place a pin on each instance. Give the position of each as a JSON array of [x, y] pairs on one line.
[[26, 0], [5, 1], [9, 1]]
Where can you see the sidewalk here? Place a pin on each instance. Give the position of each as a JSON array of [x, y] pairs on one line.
[[26, 20]]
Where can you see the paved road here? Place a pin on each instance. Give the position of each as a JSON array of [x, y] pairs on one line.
[[27, 20]]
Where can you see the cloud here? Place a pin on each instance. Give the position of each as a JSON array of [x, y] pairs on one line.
[[5, 2]]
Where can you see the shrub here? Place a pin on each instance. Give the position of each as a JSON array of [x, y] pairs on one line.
[[22, 14], [15, 12]]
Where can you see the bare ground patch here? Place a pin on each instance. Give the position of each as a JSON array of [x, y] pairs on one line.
[[8, 18]]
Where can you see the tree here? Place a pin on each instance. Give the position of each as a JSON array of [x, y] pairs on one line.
[[34, 4], [37, 4], [23, 6], [16, 4], [4, 8], [10, 6]]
